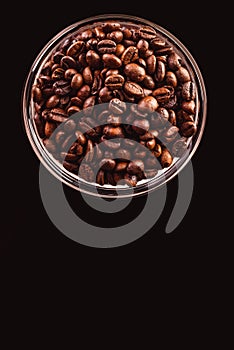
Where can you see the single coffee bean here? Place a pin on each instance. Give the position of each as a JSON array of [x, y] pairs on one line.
[[162, 94], [149, 83], [36, 94], [88, 76], [119, 50], [189, 106], [89, 154], [93, 59], [116, 36], [73, 109], [52, 101], [134, 72], [81, 139], [116, 106], [86, 34], [166, 158], [114, 81], [148, 104], [69, 73], [68, 62], [100, 178], [172, 117], [135, 167], [150, 144], [171, 79], [40, 124], [58, 74], [166, 50], [75, 49], [157, 43], [170, 134], [105, 95], [99, 33], [174, 61], [88, 105], [112, 144], [147, 33], [92, 44], [57, 115], [182, 75], [49, 128], [61, 87], [58, 56], [77, 81], [160, 71], [110, 26], [76, 101], [59, 137], [188, 129], [112, 132], [151, 64], [157, 150], [84, 92], [111, 61], [106, 46], [188, 91], [129, 55], [130, 180], [121, 166], [133, 89], [142, 46]]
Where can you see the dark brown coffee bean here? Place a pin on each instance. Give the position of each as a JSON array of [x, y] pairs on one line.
[[162, 94], [151, 144], [111, 61], [157, 43], [171, 79], [99, 33], [89, 154], [160, 71], [149, 83], [174, 61], [135, 167], [57, 115], [88, 105], [114, 81], [147, 92], [68, 62], [88, 76], [92, 44], [36, 94], [140, 126], [134, 72], [116, 36], [189, 106], [52, 101], [157, 150], [142, 46], [86, 172], [86, 34], [61, 87], [141, 62], [106, 46], [84, 92], [97, 83], [182, 75], [188, 91], [93, 59], [188, 129], [58, 56], [77, 81], [73, 109], [167, 50], [76, 101], [172, 117], [119, 50], [166, 158], [133, 89], [116, 106], [110, 26], [69, 73], [107, 164], [147, 33], [148, 104], [129, 55], [151, 64], [105, 95], [76, 49], [73, 168], [149, 135], [40, 124]]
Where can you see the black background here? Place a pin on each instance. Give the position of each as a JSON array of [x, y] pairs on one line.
[[30, 242]]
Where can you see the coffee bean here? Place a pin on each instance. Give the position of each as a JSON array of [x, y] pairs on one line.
[[134, 72], [52, 101], [182, 75], [133, 89], [188, 129], [88, 105], [179, 147], [171, 79], [57, 115], [93, 59], [121, 166], [135, 167], [123, 154], [110, 26], [140, 126], [105, 95], [77, 81], [151, 64], [107, 164], [129, 55], [147, 33], [162, 94], [170, 134], [36, 94], [114, 81], [40, 124], [189, 106], [84, 92], [68, 62], [142, 46], [165, 158], [148, 104], [61, 87], [99, 33], [112, 132], [76, 49], [111, 61], [59, 136], [188, 91], [87, 76], [100, 178], [112, 144], [116, 106], [106, 46], [160, 71], [116, 36], [157, 43], [49, 128], [149, 83], [119, 50], [174, 61], [150, 144]]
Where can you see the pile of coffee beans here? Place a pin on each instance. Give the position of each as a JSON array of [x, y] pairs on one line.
[[115, 101]]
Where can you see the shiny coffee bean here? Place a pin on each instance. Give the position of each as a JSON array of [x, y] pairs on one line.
[[106, 46], [188, 129], [114, 81], [134, 72], [148, 104], [188, 91]]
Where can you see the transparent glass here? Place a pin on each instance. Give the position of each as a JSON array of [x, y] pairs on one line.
[[72, 180]]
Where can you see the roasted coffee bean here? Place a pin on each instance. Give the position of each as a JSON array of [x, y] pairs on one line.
[[133, 89], [119, 50], [162, 94], [165, 158], [147, 33], [111, 72], [167, 50], [36, 94], [76, 49], [148, 104], [171, 79], [142, 46], [160, 71], [97, 83], [111, 61], [174, 61], [93, 59], [59, 136], [52, 101], [61, 87], [151, 64], [84, 92], [91, 44], [170, 134], [105, 95], [182, 75], [87, 76], [57, 115], [130, 180], [151, 144], [114, 81], [69, 73], [112, 144], [106, 46], [77, 81], [172, 117], [76, 101], [81, 139], [40, 124], [89, 154], [157, 43], [57, 57], [116, 106], [129, 55], [188, 129], [100, 178], [116, 36], [135, 167], [188, 91], [134, 72], [189, 106], [99, 33], [121, 166], [88, 105], [112, 132], [68, 62], [110, 26], [58, 74], [149, 83]]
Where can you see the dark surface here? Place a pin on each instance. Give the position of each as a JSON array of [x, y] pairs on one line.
[[32, 241]]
